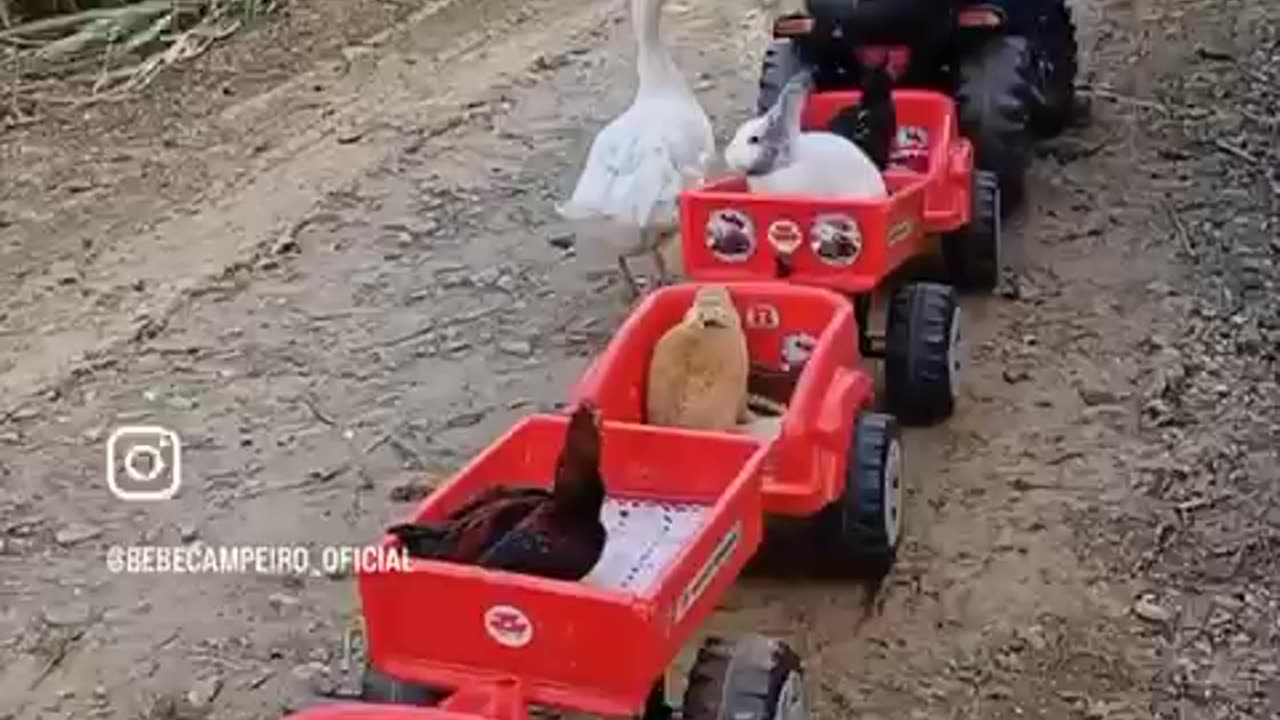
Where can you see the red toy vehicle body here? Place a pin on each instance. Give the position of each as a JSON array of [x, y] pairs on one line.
[[500, 702], [856, 246], [596, 645], [830, 385], [829, 458], [929, 185], [684, 513]]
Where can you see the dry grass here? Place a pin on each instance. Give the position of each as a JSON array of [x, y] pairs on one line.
[[48, 55]]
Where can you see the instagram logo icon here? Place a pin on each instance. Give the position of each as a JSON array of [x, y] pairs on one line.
[[144, 462]]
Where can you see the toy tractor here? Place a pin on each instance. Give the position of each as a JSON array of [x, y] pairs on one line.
[[1010, 65]]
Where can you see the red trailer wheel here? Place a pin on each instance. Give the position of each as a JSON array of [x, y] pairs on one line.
[[753, 677], [861, 531], [922, 353], [973, 253], [379, 687]]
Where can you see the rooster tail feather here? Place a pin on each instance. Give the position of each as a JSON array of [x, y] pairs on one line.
[[421, 540], [578, 468]]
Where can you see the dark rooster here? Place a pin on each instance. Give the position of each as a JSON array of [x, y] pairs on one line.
[[554, 534], [872, 122]]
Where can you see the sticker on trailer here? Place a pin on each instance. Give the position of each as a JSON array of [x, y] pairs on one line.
[[911, 137], [785, 236], [762, 316], [900, 232], [719, 556], [797, 348], [911, 149], [508, 626]]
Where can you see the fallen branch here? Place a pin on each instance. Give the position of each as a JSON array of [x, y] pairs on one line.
[[1128, 100], [1179, 229], [116, 51], [1239, 152]]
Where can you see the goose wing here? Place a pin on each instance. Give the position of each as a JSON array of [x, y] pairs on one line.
[[630, 177]]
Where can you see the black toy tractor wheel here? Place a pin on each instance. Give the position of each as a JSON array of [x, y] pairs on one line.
[[973, 253], [753, 677], [380, 688], [780, 63], [864, 526], [995, 95], [922, 354], [1055, 62]]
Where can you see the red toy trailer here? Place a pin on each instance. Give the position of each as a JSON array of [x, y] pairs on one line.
[[683, 515], [830, 458], [854, 246]]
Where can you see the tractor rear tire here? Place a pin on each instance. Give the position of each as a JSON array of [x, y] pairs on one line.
[[753, 677], [922, 354], [995, 95], [780, 64], [1055, 62]]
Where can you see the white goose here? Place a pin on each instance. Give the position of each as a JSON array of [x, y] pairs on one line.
[[639, 162]]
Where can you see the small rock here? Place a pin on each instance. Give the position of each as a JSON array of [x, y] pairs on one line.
[[408, 492], [1096, 394], [519, 348], [998, 692], [72, 615], [562, 242], [202, 694], [283, 601], [464, 420], [181, 403], [75, 534], [488, 276], [1147, 609], [316, 676], [1104, 413], [286, 244], [188, 533], [1014, 376], [1035, 638], [352, 135]]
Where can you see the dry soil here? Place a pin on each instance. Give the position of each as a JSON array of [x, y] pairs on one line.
[[322, 256]]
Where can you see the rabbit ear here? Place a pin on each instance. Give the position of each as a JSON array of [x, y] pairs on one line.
[[782, 122]]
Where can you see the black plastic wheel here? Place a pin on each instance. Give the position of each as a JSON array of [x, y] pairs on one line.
[[378, 687], [972, 253], [994, 95], [921, 361], [864, 526], [1055, 62], [780, 63], [751, 678]]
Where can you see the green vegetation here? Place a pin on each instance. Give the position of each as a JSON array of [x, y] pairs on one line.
[[76, 51]]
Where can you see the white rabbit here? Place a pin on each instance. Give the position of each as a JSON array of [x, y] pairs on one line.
[[778, 159]]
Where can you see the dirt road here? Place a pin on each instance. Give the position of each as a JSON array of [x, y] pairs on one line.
[[329, 271]]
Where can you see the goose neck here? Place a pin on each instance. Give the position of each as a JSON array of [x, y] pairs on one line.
[[654, 63]]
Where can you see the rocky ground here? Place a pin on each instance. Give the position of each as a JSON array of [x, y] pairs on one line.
[[324, 259]]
